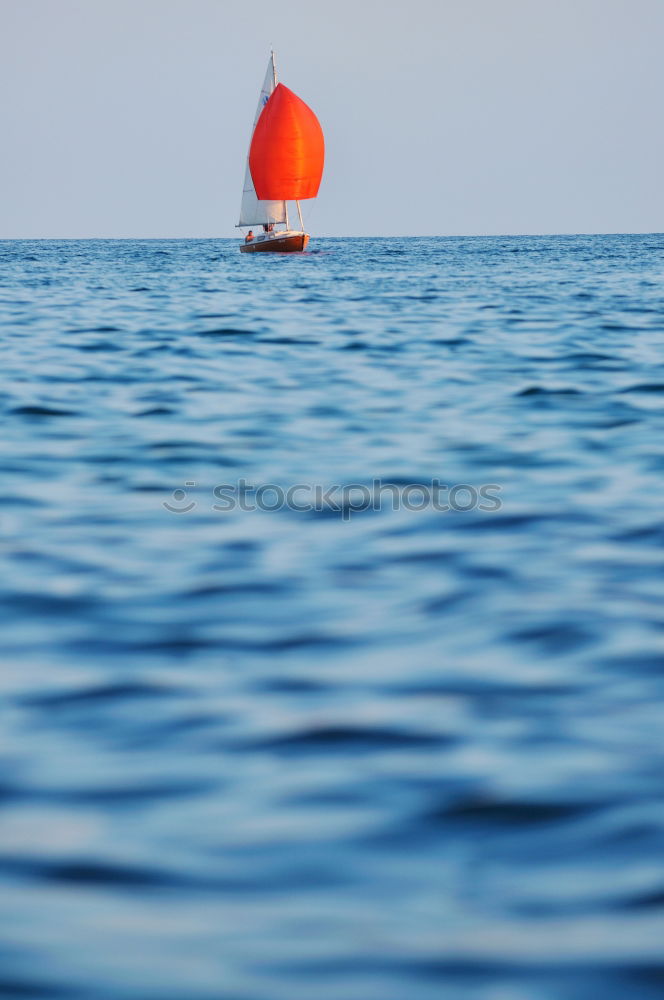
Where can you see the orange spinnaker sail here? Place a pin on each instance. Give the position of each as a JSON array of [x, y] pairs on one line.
[[287, 149]]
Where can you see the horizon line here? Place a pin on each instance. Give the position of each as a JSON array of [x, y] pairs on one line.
[[353, 236]]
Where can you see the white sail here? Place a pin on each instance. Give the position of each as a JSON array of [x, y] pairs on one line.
[[252, 211]]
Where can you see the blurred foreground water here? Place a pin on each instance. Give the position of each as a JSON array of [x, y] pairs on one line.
[[352, 755]]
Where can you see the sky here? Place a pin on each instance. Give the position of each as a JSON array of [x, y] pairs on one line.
[[131, 118]]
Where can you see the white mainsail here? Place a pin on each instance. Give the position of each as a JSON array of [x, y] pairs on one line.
[[252, 211]]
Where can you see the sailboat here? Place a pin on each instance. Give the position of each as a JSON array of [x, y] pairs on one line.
[[285, 163]]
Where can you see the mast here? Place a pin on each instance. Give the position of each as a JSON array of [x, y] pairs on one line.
[[274, 81], [286, 154], [253, 210]]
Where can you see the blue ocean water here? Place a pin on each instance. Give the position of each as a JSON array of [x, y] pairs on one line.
[[335, 749]]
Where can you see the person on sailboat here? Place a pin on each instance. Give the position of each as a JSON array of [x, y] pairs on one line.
[[249, 237], [267, 227]]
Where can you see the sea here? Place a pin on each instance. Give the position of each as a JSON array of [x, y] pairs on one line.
[[331, 617]]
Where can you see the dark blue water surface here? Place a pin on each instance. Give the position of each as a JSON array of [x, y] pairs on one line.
[[370, 754]]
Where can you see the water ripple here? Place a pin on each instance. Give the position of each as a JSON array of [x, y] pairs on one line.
[[381, 752]]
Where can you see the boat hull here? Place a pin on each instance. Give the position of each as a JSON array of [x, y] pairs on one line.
[[288, 243]]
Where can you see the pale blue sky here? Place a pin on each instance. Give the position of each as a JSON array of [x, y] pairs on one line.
[[132, 117]]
